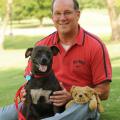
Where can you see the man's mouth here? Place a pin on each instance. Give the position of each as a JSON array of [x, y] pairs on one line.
[[43, 68]]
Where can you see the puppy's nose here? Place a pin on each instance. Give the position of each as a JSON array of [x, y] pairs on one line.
[[44, 61]]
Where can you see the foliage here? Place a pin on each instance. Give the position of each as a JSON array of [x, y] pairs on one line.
[[114, 14], [2, 8], [32, 8], [22, 9], [117, 6], [91, 4], [42, 8]]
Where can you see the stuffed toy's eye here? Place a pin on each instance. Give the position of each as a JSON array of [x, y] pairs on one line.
[[86, 94], [75, 94]]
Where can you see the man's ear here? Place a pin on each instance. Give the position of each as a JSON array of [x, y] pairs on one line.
[[78, 15], [28, 52], [55, 50]]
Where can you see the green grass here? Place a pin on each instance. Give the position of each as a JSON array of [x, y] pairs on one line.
[[10, 80], [112, 105], [20, 42]]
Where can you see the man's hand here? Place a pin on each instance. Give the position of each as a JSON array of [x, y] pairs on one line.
[[103, 90], [61, 97]]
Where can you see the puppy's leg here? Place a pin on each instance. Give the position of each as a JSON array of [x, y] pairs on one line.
[[58, 109], [34, 114], [29, 111]]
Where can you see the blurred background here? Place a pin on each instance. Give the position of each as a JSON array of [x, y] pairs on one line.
[[23, 22]]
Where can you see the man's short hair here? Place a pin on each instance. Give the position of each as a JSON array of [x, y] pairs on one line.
[[76, 5]]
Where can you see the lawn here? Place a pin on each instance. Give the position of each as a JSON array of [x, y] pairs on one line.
[[12, 68], [20, 42]]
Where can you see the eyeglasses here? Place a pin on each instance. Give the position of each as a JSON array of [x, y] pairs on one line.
[[66, 14]]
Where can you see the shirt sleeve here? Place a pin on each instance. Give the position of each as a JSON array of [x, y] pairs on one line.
[[101, 65]]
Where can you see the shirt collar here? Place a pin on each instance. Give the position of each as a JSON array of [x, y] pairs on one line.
[[79, 38]]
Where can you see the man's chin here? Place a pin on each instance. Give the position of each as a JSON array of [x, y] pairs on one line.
[[64, 32]]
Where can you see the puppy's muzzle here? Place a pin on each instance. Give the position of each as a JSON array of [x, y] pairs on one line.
[[44, 61]]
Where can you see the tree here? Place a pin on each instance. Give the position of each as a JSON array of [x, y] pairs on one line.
[[23, 9], [113, 7], [91, 4], [114, 14], [5, 22], [43, 9]]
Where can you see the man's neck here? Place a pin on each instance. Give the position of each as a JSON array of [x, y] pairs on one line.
[[68, 38]]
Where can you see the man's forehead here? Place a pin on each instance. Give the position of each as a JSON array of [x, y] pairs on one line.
[[62, 5]]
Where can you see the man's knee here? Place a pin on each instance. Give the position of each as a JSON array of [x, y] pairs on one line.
[[9, 112]]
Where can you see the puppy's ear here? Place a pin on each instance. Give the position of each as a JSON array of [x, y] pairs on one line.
[[55, 50], [28, 52]]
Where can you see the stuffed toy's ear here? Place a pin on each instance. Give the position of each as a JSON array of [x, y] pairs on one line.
[[28, 52], [72, 88], [90, 90], [55, 50]]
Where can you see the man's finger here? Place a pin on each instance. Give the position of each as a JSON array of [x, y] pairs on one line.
[[61, 85], [61, 92]]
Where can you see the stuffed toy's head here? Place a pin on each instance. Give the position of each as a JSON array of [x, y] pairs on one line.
[[82, 94]]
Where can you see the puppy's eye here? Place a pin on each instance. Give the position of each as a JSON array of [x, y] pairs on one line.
[[34, 61], [48, 54]]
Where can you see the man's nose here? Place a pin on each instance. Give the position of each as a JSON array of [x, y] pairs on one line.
[[62, 16]]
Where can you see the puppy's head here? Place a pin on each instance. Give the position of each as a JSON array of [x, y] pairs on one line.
[[41, 57]]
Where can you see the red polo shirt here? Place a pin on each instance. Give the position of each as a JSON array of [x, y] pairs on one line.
[[86, 63]]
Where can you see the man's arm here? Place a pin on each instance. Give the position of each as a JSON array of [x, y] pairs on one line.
[[103, 90]]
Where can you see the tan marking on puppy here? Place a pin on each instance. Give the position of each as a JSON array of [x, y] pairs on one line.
[[37, 93]]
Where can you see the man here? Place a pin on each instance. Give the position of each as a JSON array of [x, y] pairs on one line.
[[83, 60]]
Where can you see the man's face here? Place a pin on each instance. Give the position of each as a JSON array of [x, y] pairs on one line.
[[64, 16]]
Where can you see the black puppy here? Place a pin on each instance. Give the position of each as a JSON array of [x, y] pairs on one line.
[[41, 85]]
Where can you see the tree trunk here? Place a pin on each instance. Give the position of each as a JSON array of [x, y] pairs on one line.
[[5, 22], [115, 25]]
